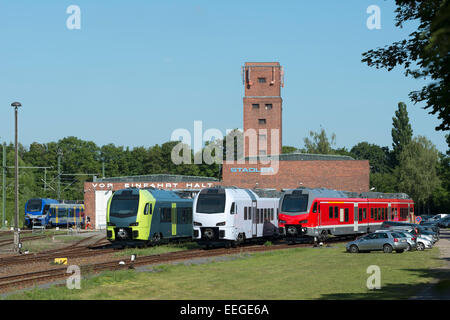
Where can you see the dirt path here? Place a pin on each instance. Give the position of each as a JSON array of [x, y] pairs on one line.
[[439, 288]]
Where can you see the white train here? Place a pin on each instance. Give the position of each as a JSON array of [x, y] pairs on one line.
[[232, 215]]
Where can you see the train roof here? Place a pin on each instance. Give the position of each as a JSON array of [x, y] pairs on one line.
[[330, 193], [158, 194], [257, 193]]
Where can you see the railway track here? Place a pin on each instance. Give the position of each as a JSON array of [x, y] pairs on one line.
[[31, 278], [11, 241], [75, 250]]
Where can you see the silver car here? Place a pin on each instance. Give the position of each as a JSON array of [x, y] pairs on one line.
[[386, 241], [410, 238]]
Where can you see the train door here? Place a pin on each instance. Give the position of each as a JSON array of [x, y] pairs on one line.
[[255, 219], [389, 214], [355, 216], [174, 219]]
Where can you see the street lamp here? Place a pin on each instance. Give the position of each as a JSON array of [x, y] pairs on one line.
[[16, 106]]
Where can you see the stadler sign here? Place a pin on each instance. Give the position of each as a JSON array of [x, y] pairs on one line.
[[258, 170]]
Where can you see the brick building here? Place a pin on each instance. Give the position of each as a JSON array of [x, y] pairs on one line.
[[263, 166]]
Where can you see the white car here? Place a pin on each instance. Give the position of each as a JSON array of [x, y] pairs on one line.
[[423, 243]]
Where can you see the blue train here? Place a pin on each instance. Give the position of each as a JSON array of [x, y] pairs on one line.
[[51, 213]]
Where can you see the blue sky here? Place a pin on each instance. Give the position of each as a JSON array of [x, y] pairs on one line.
[[138, 70]]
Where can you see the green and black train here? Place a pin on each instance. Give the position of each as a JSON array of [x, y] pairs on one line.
[[148, 217]]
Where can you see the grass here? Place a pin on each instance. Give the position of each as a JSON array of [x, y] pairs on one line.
[[300, 273]]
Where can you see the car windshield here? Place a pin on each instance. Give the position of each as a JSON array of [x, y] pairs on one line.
[[211, 203], [294, 203], [34, 205], [124, 206]]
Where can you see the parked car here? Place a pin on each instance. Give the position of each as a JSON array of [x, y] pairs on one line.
[[423, 241], [444, 222], [438, 217], [386, 241], [410, 238], [426, 217], [415, 231], [430, 226]]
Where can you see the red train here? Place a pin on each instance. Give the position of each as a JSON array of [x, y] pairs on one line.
[[323, 212]]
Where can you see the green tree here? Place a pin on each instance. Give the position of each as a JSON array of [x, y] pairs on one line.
[[401, 131], [417, 171], [424, 55], [319, 143], [288, 149], [378, 156]]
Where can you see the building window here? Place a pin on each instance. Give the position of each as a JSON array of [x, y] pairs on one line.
[[255, 106], [262, 121], [262, 137], [268, 106], [262, 80], [262, 152]]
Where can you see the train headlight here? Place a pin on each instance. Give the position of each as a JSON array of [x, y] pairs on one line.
[[197, 224], [303, 221], [220, 224], [134, 224]]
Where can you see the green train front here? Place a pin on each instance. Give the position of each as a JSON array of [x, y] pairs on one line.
[[148, 216]]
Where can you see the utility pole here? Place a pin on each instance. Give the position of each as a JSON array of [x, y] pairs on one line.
[[4, 186], [59, 174], [16, 106]]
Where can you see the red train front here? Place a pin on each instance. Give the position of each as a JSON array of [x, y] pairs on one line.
[[324, 212]]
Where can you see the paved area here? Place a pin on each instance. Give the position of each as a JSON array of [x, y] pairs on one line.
[[439, 288]]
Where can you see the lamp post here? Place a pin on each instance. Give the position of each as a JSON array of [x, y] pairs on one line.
[[16, 106]]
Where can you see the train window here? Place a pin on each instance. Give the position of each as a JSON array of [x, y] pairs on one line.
[[294, 203], [249, 213], [265, 214], [257, 216], [245, 213], [315, 207], [271, 214], [165, 214], [360, 214], [233, 209], [346, 214], [371, 213], [336, 212], [330, 215], [146, 209], [365, 213]]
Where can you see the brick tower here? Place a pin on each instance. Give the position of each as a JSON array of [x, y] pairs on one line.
[[263, 107]]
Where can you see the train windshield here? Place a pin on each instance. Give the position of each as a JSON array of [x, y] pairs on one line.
[[211, 203], [34, 205], [123, 206], [295, 203]]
